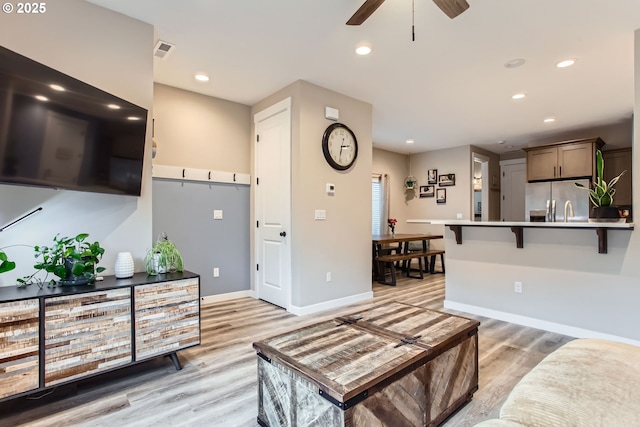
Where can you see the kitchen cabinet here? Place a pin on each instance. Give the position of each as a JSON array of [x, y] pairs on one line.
[[562, 160], [616, 161]]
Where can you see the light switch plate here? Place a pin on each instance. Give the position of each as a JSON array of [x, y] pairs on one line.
[[320, 215]]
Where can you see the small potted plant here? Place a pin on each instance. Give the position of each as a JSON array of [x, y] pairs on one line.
[[71, 259], [601, 195], [163, 257]]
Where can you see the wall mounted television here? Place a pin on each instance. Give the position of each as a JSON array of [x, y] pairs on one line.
[[58, 132]]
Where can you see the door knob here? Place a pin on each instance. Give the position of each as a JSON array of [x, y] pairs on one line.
[[283, 234]]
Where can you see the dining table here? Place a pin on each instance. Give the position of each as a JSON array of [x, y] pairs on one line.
[[379, 242]]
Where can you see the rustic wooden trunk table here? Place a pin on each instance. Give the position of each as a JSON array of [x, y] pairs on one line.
[[393, 365]]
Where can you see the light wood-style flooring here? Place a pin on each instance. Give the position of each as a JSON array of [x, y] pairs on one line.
[[218, 385]]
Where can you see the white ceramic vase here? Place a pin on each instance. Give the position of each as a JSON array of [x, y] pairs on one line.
[[124, 265]]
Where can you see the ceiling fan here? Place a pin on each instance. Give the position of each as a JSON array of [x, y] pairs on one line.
[[451, 8]]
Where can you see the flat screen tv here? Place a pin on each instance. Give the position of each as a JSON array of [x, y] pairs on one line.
[[59, 132]]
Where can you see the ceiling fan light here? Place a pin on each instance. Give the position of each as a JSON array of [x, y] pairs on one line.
[[363, 49]]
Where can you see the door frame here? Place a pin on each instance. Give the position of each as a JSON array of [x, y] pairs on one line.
[[484, 161], [282, 106]]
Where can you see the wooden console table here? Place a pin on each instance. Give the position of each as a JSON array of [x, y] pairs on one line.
[[54, 336]]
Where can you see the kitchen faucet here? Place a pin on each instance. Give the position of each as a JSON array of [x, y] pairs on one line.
[[569, 205]]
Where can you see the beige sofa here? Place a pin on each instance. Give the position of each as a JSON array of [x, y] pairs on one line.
[[586, 382]]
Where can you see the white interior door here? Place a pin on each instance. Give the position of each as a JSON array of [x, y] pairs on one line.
[[273, 203], [514, 180]]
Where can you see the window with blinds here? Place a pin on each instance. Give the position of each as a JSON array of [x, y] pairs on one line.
[[377, 204]]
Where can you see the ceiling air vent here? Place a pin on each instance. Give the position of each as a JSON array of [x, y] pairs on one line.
[[162, 49]]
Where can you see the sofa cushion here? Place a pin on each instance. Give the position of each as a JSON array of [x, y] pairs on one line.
[[586, 382]]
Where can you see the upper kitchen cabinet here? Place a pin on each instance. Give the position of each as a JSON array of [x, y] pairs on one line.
[[563, 160], [616, 161]]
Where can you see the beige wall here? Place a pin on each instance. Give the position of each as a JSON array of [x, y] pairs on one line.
[[396, 167], [200, 131], [342, 243], [112, 52], [451, 160]]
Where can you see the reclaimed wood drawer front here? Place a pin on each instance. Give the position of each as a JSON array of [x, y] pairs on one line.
[[167, 317], [19, 346], [86, 333]]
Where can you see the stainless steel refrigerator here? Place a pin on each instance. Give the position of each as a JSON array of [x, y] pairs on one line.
[[546, 201]]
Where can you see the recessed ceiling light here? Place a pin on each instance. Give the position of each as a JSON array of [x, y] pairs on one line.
[[519, 96], [133, 118], [41, 98], [113, 106], [502, 141], [566, 63], [515, 63], [549, 120], [410, 141], [363, 49], [56, 87], [202, 77]]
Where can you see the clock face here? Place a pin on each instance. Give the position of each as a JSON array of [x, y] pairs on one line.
[[339, 146]]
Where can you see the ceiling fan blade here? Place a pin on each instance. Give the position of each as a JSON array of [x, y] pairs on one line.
[[452, 8], [365, 11]]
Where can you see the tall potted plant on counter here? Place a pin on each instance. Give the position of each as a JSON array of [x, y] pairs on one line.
[[601, 195]]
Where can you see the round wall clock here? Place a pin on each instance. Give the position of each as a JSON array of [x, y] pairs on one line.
[[339, 146]]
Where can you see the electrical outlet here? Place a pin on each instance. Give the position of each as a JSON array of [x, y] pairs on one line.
[[216, 272], [459, 216], [328, 276], [217, 214], [517, 287]]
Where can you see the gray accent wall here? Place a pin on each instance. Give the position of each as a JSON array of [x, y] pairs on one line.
[[184, 210]]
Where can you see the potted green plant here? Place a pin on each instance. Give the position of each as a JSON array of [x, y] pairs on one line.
[[163, 257], [72, 260], [601, 195]]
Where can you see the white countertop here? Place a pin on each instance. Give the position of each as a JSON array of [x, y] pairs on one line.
[[623, 225]]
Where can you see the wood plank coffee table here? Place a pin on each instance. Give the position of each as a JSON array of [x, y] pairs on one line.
[[394, 364]]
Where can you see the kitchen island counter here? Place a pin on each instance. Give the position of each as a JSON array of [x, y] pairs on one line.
[[517, 227]]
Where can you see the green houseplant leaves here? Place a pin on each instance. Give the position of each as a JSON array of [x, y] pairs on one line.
[[602, 192]]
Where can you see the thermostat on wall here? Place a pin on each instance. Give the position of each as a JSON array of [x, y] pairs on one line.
[[331, 189], [331, 113]]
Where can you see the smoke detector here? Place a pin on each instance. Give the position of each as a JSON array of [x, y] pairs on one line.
[[162, 49]]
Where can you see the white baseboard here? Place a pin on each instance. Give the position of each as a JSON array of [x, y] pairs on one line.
[[226, 297], [327, 305], [559, 328]]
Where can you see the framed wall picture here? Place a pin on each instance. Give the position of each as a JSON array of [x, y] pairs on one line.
[[427, 191], [432, 176], [447, 180], [441, 195]]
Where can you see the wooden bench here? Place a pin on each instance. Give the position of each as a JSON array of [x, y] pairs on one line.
[[393, 258]]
